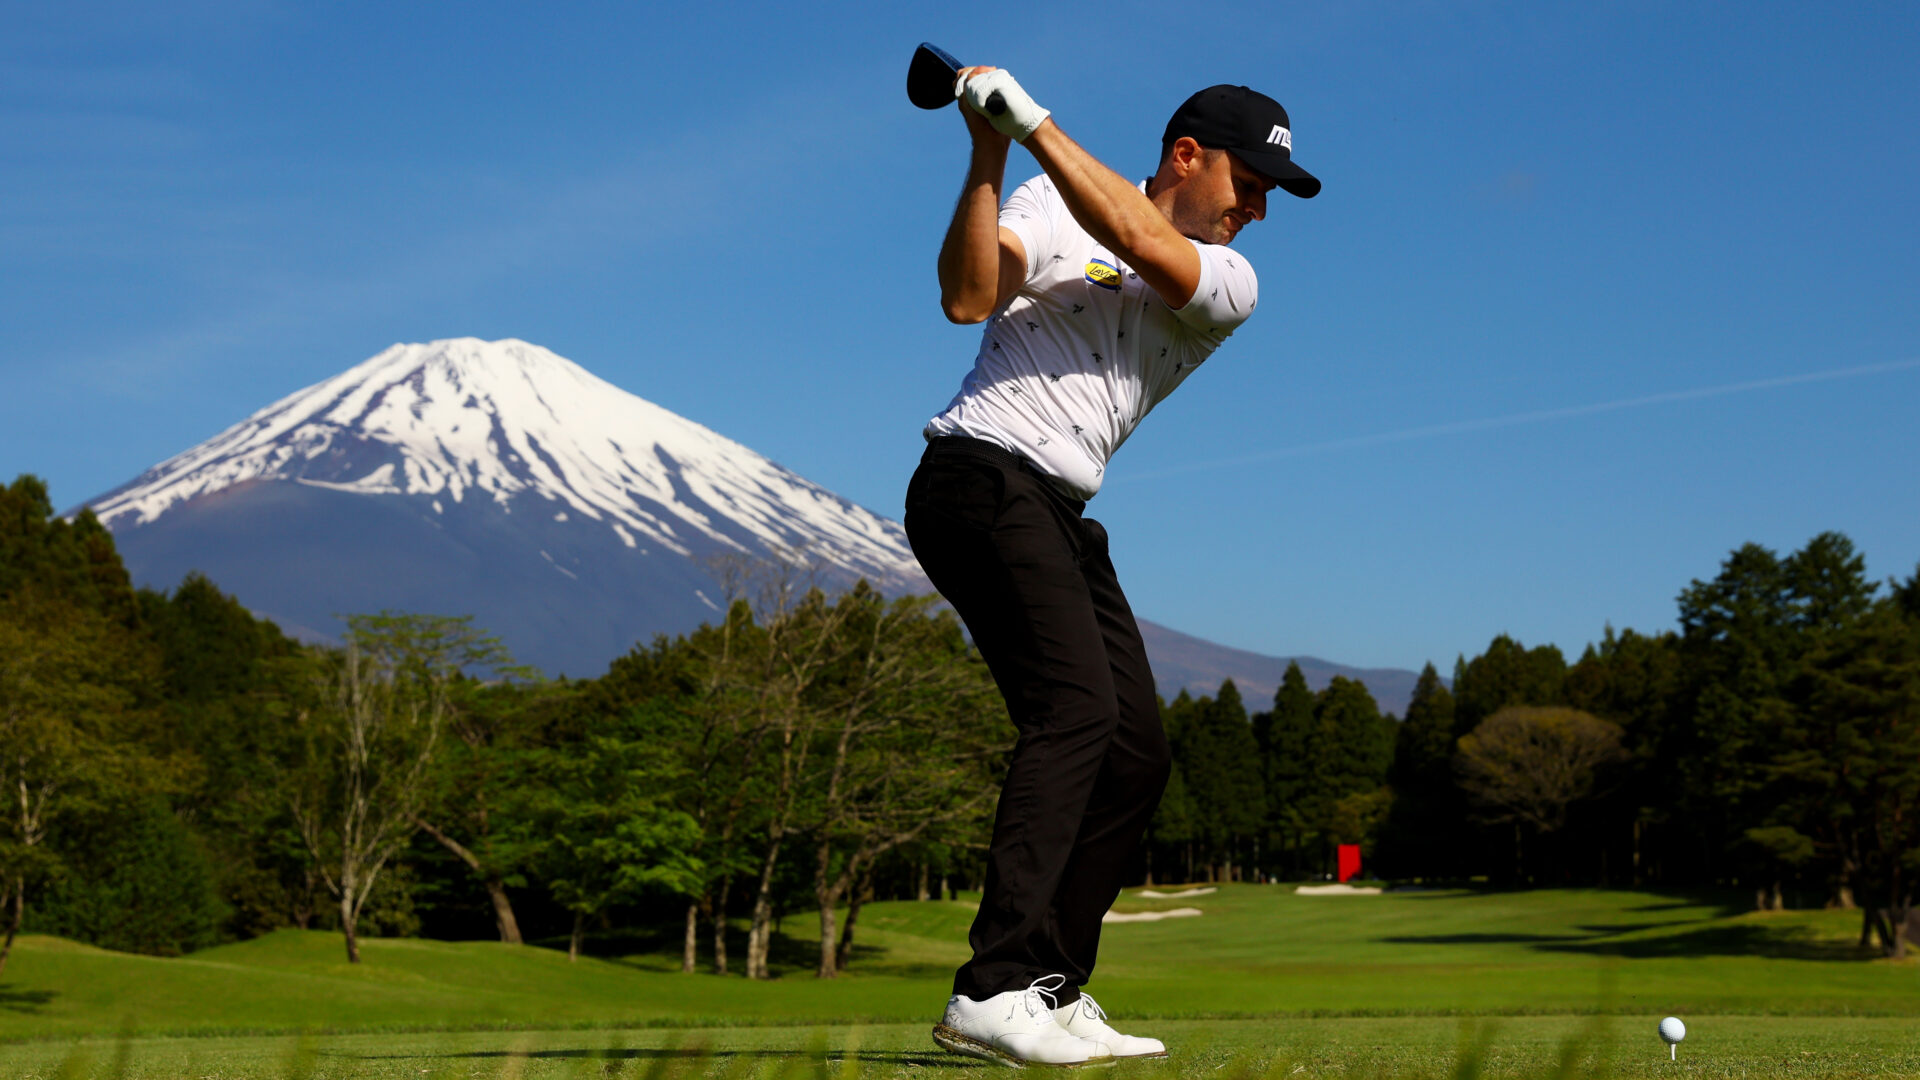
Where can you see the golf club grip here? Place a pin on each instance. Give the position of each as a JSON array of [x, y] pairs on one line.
[[996, 104]]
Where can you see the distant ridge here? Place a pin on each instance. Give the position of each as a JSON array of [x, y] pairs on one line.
[[1182, 661]]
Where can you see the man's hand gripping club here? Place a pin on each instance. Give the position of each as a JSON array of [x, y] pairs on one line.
[[993, 93]]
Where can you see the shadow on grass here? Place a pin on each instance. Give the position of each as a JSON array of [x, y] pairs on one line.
[[1717, 903], [930, 1059], [1612, 929], [1787, 943], [25, 1001], [1589, 933], [1480, 939], [649, 950], [1776, 942]]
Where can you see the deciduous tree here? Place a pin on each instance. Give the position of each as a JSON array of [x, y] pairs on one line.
[[59, 695], [1526, 765], [361, 780], [607, 832], [910, 727]]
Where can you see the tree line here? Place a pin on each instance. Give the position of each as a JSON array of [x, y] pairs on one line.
[[178, 773], [1770, 744]]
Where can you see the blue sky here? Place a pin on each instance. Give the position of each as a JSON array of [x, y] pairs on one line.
[[1593, 295]]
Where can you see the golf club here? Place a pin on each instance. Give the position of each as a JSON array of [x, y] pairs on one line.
[[930, 79]]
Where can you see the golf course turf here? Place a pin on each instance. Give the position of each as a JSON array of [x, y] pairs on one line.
[[1263, 983]]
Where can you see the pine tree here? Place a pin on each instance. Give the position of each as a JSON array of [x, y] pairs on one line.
[[1423, 745], [1350, 751], [1508, 673], [231, 684], [1633, 680], [64, 562], [1353, 745], [1223, 778], [1848, 774], [1906, 595], [1285, 737], [1420, 838], [1170, 836]]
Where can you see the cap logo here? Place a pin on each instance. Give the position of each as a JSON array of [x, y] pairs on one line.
[[1280, 137]]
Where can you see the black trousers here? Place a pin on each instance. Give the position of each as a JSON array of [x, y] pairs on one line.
[[1031, 577]]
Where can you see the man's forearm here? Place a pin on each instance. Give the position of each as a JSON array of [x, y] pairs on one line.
[[1114, 212], [970, 255]]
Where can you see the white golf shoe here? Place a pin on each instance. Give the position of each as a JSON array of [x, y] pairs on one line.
[[1088, 1020], [1017, 1029]]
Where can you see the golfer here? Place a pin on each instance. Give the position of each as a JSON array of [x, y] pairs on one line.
[[1100, 297]]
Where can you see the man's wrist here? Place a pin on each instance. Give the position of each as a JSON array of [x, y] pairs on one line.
[[991, 148]]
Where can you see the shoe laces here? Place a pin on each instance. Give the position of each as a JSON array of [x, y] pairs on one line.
[[1039, 997], [1090, 1007]]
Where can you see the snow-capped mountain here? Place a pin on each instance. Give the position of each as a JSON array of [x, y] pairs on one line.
[[488, 478], [509, 423]]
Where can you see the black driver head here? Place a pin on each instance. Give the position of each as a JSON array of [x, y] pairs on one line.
[[930, 77]]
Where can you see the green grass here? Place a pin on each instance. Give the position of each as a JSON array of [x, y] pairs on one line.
[[1331, 985], [1616, 1047]]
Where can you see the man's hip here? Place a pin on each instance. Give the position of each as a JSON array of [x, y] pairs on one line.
[[974, 484]]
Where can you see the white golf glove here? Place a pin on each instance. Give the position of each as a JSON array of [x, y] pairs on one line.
[[1017, 119]]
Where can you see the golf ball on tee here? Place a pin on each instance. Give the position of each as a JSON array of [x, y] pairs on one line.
[[1672, 1030]]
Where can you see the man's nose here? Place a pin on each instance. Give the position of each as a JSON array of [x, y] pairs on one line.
[[1257, 206]]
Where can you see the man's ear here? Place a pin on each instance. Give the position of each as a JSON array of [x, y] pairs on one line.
[[1188, 156]]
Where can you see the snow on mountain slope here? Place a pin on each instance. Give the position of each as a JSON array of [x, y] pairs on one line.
[[514, 425]]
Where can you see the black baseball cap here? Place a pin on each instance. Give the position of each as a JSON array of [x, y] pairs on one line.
[[1250, 124]]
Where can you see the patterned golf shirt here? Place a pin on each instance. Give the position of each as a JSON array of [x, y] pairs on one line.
[[1085, 349]]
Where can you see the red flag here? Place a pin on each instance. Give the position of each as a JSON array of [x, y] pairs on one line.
[[1349, 861]]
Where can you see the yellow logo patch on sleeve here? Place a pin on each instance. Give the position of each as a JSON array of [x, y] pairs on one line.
[[1104, 274]]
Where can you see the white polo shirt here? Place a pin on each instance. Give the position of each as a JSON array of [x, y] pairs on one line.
[[1085, 349]]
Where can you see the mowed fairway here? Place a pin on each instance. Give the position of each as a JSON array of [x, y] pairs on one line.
[[1534, 983]]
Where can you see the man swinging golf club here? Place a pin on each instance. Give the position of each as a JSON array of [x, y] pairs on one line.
[[1100, 296]]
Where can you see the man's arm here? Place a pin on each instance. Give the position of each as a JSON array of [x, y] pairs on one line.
[[1111, 210], [981, 264], [1114, 212]]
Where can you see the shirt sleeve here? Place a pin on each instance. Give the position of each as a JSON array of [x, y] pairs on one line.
[[1029, 212], [1227, 293]]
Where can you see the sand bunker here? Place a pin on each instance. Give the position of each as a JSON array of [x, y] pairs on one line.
[[1337, 890], [1150, 894], [1150, 916]]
